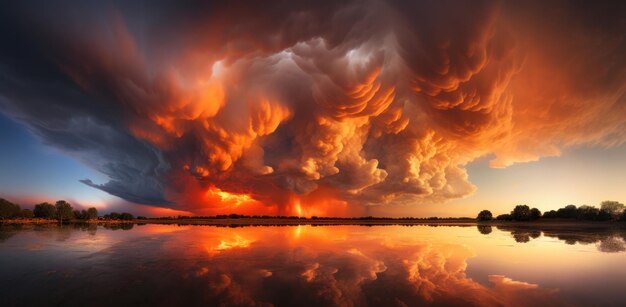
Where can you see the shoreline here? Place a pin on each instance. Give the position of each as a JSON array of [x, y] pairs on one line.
[[331, 222]]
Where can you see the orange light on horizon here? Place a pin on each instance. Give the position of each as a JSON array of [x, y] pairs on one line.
[[298, 207], [160, 211], [321, 202]]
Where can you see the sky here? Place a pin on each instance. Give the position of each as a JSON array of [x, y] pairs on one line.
[[389, 108]]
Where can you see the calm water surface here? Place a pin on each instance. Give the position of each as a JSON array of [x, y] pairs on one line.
[[169, 265]]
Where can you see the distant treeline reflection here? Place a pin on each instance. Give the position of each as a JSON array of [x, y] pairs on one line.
[[61, 232], [609, 240]]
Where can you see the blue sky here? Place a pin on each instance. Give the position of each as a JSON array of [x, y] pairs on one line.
[[31, 169], [579, 176]]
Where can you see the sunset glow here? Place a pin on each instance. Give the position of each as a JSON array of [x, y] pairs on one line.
[[230, 198]]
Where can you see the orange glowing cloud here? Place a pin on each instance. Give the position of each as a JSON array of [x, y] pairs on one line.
[[228, 198], [330, 109]]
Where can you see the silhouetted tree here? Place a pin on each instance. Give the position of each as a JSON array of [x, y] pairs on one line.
[[64, 210], [588, 213], [535, 214], [604, 215], [613, 208], [9, 210], [521, 213], [504, 217], [568, 212], [550, 214], [92, 214], [45, 211], [484, 215], [126, 216], [27, 214], [114, 216]]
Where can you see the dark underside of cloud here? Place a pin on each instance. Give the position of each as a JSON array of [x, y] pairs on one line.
[[35, 91], [362, 102]]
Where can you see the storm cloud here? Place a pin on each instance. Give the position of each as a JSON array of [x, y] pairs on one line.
[[325, 106]]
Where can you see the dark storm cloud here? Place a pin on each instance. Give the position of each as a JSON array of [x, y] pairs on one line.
[[35, 91], [362, 102]]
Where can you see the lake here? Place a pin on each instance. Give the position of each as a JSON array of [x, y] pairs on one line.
[[170, 265]]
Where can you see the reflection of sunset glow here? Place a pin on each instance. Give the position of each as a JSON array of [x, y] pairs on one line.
[[298, 231], [226, 242], [239, 242], [343, 265], [431, 271], [154, 229]]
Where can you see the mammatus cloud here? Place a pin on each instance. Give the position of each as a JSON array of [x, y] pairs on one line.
[[343, 104]]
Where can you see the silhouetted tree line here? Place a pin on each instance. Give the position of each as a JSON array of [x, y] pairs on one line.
[[124, 216], [61, 210], [608, 211], [519, 213], [9, 210]]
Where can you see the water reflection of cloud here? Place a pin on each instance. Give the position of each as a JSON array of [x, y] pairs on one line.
[[437, 273], [226, 243], [272, 268], [305, 266]]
